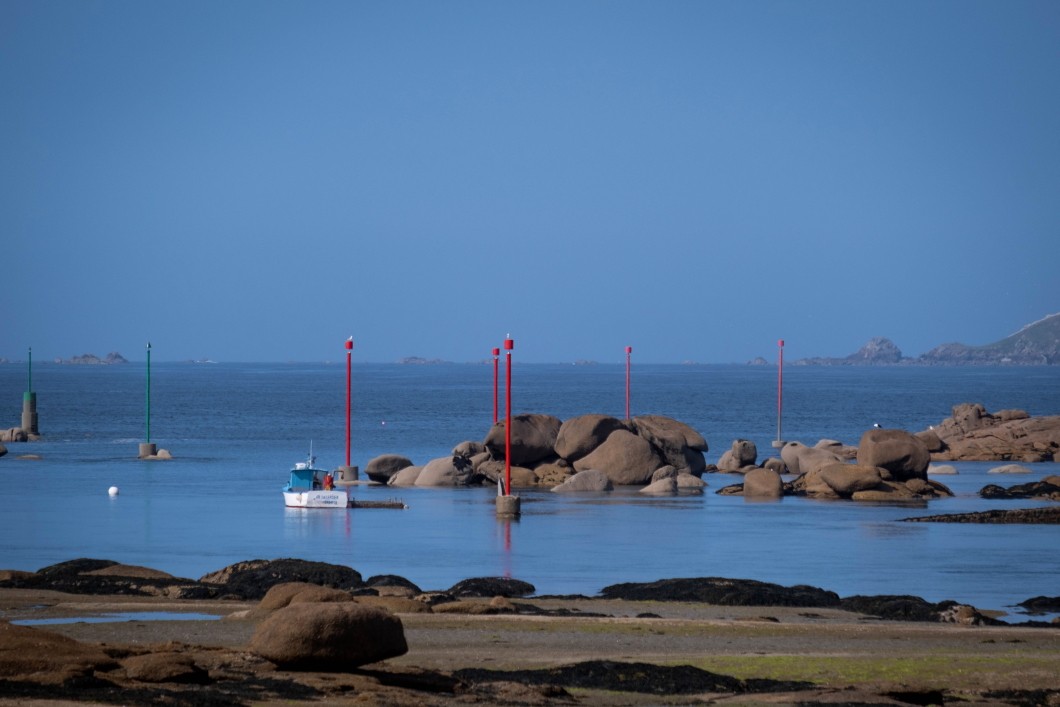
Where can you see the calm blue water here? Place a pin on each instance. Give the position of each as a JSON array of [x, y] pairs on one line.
[[235, 430]]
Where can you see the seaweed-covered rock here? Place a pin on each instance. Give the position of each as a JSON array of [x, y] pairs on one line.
[[491, 587], [252, 579], [723, 592]]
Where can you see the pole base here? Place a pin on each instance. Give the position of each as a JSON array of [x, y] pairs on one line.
[[148, 449], [778, 443], [508, 506], [346, 475]]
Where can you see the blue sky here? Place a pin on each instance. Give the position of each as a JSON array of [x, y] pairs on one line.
[[256, 181]]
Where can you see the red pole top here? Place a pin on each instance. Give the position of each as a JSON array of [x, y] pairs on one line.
[[629, 349], [509, 344], [349, 344], [496, 352], [780, 343]]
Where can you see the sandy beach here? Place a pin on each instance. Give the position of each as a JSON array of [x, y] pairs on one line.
[[775, 655]]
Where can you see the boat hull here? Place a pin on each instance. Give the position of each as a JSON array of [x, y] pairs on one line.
[[315, 499]]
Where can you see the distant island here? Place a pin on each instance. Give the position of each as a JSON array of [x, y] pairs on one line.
[[1037, 344], [94, 360], [419, 361]]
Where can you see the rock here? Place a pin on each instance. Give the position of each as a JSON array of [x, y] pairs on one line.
[[664, 472], [522, 477], [689, 482], [491, 587], [941, 469], [469, 449], [3, 450], [447, 471], [553, 473], [591, 480], [380, 469], [762, 483], [580, 435], [801, 459], [722, 592], [1044, 490], [837, 448], [742, 453], [533, 438], [897, 451], [894, 607], [380, 581], [973, 434], [846, 479], [1030, 516], [626, 458], [13, 434], [405, 477], [131, 571], [281, 595], [166, 666], [664, 486], [931, 440], [46, 655], [886, 491], [1009, 469], [395, 605], [677, 443], [328, 637], [776, 464], [253, 579]]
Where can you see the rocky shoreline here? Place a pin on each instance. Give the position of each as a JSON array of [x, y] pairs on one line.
[[489, 640]]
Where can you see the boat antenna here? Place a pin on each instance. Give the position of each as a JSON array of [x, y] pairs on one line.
[[312, 459]]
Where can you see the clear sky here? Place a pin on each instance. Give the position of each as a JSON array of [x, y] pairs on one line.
[[256, 180]]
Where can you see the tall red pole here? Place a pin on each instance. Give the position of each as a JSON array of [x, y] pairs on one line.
[[780, 387], [496, 354], [629, 350], [349, 355], [508, 346]]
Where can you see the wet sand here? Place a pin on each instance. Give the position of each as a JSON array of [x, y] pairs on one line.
[[819, 655]]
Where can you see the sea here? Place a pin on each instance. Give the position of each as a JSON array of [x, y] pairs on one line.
[[235, 430]]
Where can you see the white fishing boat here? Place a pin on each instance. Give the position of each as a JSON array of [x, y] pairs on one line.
[[310, 487]]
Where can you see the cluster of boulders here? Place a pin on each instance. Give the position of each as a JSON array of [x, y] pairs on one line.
[[973, 434], [585, 453], [889, 465]]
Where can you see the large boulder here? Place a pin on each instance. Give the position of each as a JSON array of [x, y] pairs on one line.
[[47, 655], [447, 471], [494, 471], [382, 468], [677, 443], [762, 483], [328, 637], [665, 486], [281, 595], [165, 667], [491, 587], [626, 458], [801, 459], [533, 438], [580, 435], [846, 479], [897, 451], [591, 480], [405, 477]]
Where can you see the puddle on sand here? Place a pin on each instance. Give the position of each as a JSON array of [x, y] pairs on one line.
[[115, 618]]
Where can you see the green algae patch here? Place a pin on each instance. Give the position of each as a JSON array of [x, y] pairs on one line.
[[953, 672]]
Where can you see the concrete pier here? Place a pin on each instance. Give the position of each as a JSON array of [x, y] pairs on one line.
[[346, 475], [508, 506], [148, 449], [29, 413]]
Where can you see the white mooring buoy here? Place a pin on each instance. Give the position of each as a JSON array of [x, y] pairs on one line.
[[113, 491]]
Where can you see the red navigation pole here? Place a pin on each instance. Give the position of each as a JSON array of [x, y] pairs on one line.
[[508, 505], [629, 350], [778, 442], [348, 473], [496, 354]]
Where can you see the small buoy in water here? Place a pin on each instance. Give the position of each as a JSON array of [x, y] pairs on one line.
[[383, 423], [113, 491]]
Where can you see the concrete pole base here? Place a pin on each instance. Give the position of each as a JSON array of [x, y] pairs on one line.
[[29, 414], [508, 506], [778, 443], [148, 449], [347, 474]]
